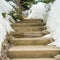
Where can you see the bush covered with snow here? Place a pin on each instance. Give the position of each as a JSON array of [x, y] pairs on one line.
[[4, 29], [39, 11], [5, 20], [17, 14], [53, 23]]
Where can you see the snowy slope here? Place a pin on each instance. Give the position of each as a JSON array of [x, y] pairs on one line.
[[5, 26], [39, 11], [53, 23]]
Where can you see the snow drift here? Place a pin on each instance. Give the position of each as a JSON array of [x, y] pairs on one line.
[[12, 3], [5, 26], [6, 7], [4, 29], [53, 23], [38, 11]]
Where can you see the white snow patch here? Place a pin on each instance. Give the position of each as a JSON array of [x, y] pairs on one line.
[[38, 11], [53, 23], [5, 27], [12, 3], [5, 6]]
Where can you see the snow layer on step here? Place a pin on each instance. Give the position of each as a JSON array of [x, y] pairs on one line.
[[53, 22], [38, 11]]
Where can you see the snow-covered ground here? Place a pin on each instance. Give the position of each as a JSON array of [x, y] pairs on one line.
[[6, 7], [5, 24], [12, 4], [53, 23], [39, 11], [4, 29]]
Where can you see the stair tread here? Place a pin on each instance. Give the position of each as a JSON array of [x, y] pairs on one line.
[[29, 31], [27, 24], [31, 26], [26, 34], [34, 48], [35, 38], [33, 32], [33, 51], [31, 41], [34, 59], [32, 20]]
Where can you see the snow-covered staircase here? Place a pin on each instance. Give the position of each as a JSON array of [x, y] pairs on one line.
[[28, 43]]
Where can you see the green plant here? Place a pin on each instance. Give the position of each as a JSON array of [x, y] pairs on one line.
[[26, 4], [16, 14], [48, 1], [4, 14]]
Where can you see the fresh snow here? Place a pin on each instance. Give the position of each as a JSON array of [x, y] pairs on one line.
[[39, 11], [5, 26], [6, 7], [12, 3], [53, 23]]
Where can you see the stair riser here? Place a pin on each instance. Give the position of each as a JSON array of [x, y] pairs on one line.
[[28, 35], [38, 27], [31, 34], [26, 24], [29, 29], [34, 33], [32, 20], [33, 54], [31, 42]]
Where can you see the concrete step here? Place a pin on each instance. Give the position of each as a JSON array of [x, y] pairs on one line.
[[30, 34], [28, 31], [33, 52], [32, 20], [21, 24], [34, 59], [31, 41], [30, 28]]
